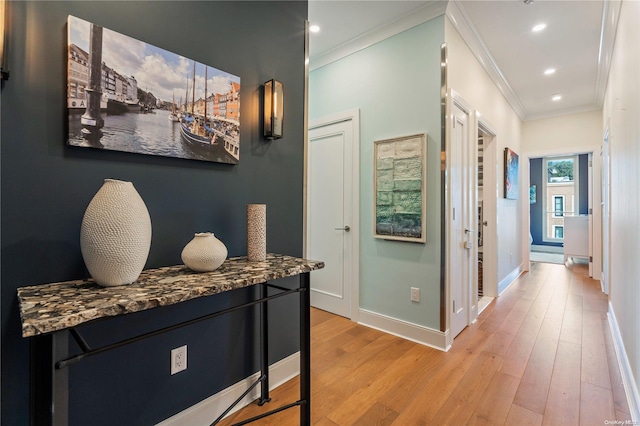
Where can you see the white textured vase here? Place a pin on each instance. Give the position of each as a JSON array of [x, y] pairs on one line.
[[115, 236], [204, 253], [256, 232]]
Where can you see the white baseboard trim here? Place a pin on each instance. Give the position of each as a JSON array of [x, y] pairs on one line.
[[416, 333], [207, 410], [630, 387], [547, 249], [509, 279]]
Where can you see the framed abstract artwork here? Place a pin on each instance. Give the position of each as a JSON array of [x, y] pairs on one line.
[[400, 188], [126, 95], [510, 174]]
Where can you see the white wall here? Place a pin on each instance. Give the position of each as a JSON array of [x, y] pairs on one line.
[[469, 79], [622, 112], [568, 134]]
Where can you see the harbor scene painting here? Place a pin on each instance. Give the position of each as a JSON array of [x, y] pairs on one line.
[[127, 95], [400, 186]]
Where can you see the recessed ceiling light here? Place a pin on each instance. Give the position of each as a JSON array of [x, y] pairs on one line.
[[556, 97], [549, 71], [539, 27], [314, 28]]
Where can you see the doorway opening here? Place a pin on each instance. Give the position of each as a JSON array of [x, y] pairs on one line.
[[559, 195], [485, 207]]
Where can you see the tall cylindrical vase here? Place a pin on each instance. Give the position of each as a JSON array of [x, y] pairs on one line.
[[115, 236], [256, 232]]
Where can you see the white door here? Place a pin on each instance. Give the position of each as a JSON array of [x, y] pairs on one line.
[[329, 220], [462, 234]]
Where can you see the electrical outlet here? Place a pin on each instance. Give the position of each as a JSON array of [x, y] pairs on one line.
[[178, 359], [415, 294]]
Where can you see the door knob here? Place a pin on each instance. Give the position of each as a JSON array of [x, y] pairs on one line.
[[468, 231], [485, 223], [346, 228]]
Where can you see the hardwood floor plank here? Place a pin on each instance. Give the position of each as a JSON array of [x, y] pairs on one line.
[[534, 385], [572, 322], [378, 415], [464, 399], [594, 352], [563, 401], [496, 401], [596, 405], [523, 417]]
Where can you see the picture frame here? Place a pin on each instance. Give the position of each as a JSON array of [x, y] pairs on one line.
[[127, 95], [400, 188], [511, 171]]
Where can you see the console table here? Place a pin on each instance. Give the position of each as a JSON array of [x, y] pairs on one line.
[[50, 313]]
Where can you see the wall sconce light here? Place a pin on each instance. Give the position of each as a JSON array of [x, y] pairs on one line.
[[4, 31], [273, 109]]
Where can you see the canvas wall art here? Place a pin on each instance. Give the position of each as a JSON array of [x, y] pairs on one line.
[[510, 174], [400, 187], [127, 95]]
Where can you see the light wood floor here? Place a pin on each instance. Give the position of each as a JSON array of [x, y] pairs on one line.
[[540, 354]]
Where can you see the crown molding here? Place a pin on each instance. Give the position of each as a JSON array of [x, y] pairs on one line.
[[609, 27], [463, 24], [560, 112], [416, 17]]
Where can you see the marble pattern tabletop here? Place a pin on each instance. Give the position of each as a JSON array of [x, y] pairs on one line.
[[52, 307]]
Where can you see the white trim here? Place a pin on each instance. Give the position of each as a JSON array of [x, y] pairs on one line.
[[509, 279], [416, 333], [629, 382], [547, 249], [208, 409], [609, 27], [352, 115], [414, 18]]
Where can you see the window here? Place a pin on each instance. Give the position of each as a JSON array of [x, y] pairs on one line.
[[560, 180], [558, 205], [558, 232]]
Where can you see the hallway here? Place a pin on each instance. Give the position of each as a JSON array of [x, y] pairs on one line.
[[542, 353]]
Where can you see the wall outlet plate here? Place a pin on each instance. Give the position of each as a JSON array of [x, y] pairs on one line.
[[415, 294], [178, 359]]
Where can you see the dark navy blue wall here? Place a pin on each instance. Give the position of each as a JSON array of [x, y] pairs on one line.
[[583, 182], [535, 210], [47, 185]]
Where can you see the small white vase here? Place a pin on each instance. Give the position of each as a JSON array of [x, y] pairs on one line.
[[115, 236], [204, 253]]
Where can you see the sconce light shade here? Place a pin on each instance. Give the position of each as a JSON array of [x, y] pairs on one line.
[[4, 30], [273, 109]]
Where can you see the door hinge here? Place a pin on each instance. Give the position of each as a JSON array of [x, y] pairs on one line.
[[590, 259], [454, 213], [454, 306], [590, 211]]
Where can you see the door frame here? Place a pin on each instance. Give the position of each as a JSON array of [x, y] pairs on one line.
[[454, 98], [595, 220], [353, 116], [490, 208]]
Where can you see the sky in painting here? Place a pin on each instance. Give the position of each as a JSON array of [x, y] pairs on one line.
[[156, 70]]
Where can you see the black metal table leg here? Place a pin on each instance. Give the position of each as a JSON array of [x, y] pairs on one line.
[[264, 346], [305, 350], [49, 387]]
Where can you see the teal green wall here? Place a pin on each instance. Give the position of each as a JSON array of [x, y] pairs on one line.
[[396, 86]]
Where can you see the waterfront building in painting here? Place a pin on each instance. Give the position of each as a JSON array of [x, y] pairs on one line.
[[78, 78], [233, 102]]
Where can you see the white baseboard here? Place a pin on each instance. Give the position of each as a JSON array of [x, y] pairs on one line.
[[509, 279], [629, 382], [207, 410], [414, 332], [547, 249]]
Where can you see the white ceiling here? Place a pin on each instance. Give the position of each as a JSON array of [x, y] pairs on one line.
[[499, 32]]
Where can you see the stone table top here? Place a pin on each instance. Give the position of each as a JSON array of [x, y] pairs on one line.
[[52, 307]]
